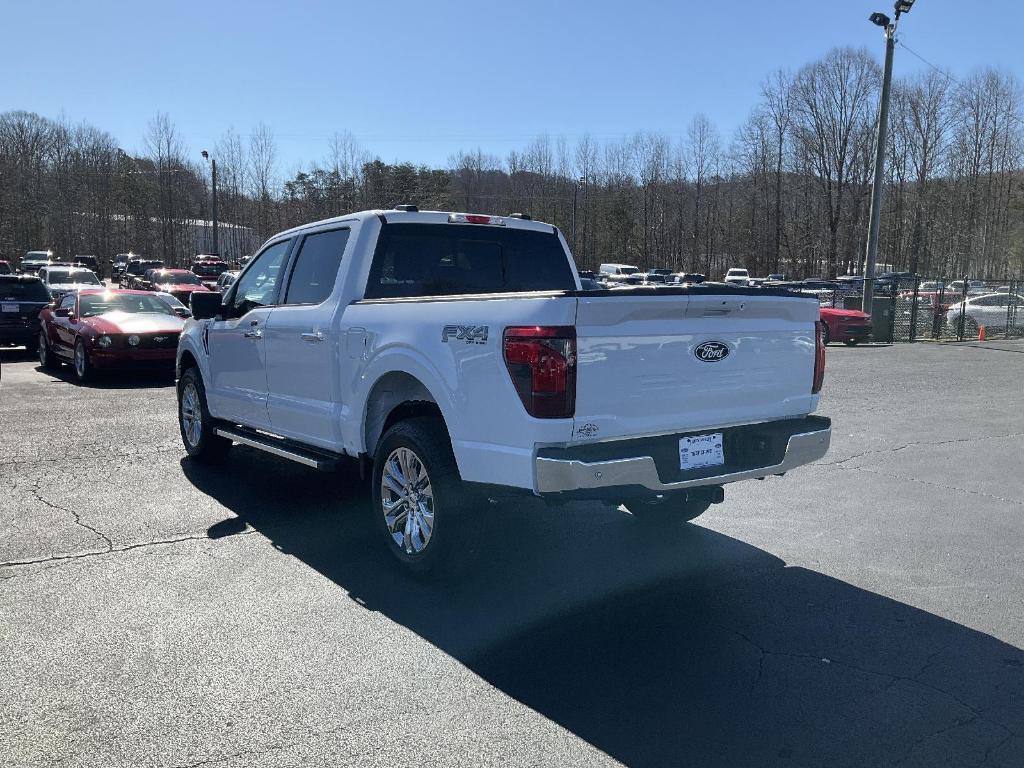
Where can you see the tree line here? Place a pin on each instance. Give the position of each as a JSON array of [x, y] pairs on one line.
[[788, 191]]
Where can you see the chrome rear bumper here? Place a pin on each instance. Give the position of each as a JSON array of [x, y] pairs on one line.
[[560, 475]]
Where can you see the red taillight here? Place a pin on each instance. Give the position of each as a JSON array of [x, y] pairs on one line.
[[819, 357], [542, 363]]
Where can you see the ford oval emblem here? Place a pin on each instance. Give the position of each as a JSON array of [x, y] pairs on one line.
[[711, 351]]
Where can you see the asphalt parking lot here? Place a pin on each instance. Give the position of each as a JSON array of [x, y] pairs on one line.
[[867, 610]]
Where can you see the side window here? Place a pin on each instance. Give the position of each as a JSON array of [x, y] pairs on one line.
[[316, 267], [68, 302], [258, 286]]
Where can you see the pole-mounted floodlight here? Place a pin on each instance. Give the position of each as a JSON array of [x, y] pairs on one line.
[[875, 210], [206, 155]]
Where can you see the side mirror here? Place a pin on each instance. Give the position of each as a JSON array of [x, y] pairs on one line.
[[62, 312], [205, 305]]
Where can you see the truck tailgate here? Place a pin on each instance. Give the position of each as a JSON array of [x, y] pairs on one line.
[[654, 364]]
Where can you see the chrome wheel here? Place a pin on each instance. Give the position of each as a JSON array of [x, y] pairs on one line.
[[43, 350], [80, 360], [191, 414], [407, 499]]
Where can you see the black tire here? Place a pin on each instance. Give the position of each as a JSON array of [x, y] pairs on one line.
[[47, 360], [669, 512], [826, 337], [450, 543], [199, 439], [971, 329], [80, 363]]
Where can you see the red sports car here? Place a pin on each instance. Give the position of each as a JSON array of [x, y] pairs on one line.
[[109, 329], [180, 283], [846, 325]]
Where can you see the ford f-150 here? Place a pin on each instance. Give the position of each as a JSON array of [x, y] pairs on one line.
[[456, 357]]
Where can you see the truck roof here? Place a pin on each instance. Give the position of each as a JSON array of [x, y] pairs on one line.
[[420, 217]]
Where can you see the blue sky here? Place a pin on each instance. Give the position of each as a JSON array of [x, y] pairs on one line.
[[419, 80]]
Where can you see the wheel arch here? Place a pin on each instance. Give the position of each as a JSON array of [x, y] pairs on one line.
[[394, 397]]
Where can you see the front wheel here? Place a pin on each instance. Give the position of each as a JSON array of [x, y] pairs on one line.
[[419, 501], [195, 422], [47, 359], [83, 368], [826, 335]]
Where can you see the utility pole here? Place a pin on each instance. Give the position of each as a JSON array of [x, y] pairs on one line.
[[875, 214], [213, 170], [575, 194]]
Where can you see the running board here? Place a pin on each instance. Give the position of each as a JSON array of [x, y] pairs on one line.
[[282, 448]]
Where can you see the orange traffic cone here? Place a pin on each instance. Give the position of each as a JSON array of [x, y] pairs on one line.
[[981, 333]]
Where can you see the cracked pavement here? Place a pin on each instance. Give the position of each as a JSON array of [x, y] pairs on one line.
[[864, 611]]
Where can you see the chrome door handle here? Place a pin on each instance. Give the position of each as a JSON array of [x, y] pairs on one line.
[[253, 334], [312, 336]]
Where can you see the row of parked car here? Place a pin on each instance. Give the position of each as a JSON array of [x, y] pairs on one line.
[[64, 313]]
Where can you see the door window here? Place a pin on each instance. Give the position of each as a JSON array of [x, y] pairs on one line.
[[316, 267], [258, 286], [68, 302]]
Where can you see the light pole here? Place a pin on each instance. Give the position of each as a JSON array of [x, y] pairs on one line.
[[875, 214], [213, 169]]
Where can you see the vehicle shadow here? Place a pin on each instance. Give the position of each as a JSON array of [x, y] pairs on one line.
[[682, 647], [111, 379]]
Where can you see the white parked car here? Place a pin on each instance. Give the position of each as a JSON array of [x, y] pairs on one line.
[[62, 280], [737, 276], [455, 356], [991, 310]]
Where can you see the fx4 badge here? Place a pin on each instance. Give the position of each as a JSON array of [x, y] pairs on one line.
[[471, 334]]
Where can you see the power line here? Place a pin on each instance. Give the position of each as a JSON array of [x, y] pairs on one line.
[[938, 69]]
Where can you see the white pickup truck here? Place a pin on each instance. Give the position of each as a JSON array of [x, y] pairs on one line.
[[457, 355]]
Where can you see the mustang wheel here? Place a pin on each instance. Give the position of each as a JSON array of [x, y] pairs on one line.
[[826, 336], [194, 420], [83, 369], [46, 357], [419, 501]]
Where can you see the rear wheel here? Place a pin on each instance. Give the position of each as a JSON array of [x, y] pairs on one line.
[[195, 422], [971, 329], [826, 335], [419, 501]]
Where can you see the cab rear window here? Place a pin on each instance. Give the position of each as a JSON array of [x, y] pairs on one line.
[[450, 259]]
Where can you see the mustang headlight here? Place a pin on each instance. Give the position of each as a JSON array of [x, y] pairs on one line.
[[133, 340], [104, 342]]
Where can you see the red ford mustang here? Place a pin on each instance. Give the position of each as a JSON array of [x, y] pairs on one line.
[[180, 283], [846, 325], [101, 329]]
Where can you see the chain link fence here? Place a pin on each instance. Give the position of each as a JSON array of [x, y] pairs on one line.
[[908, 309]]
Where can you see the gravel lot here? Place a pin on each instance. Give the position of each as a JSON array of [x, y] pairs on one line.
[[864, 611]]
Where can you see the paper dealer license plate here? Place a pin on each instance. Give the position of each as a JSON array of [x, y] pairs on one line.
[[10, 308], [701, 451]]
